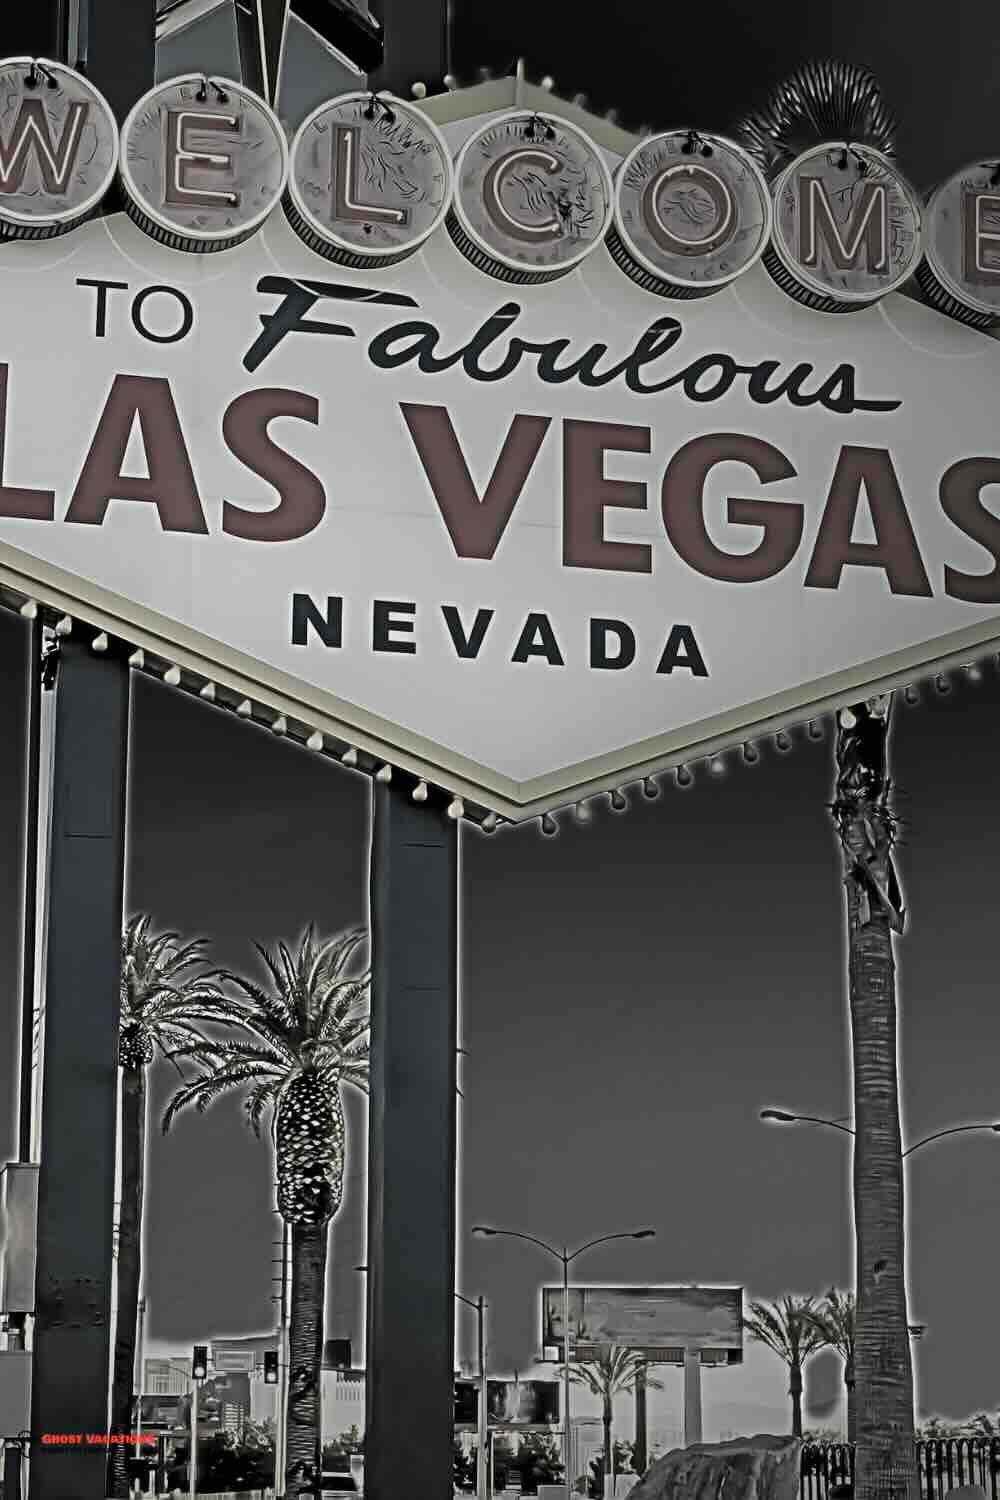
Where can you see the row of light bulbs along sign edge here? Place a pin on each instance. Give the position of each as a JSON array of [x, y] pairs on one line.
[[287, 726], [203, 162]]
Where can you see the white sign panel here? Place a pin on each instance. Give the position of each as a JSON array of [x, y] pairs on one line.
[[656, 1317], [528, 541]]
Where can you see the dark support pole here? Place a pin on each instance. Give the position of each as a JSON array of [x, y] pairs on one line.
[[30, 894], [77, 1172], [32, 30], [412, 1132], [12, 1472], [417, 45], [639, 1455], [117, 46]]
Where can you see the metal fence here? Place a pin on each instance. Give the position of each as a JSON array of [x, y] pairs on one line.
[[943, 1464]]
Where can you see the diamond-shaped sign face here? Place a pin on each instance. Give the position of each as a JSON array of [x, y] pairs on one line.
[[528, 541]]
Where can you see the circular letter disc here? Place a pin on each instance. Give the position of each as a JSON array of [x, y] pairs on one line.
[[847, 227], [60, 148], [370, 179], [532, 197], [203, 163], [960, 272], [692, 212]]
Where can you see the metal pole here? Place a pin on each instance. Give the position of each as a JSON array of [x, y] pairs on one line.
[[193, 1458], [30, 894], [410, 1351], [281, 1404], [73, 1268], [568, 1453], [482, 1489], [137, 1381]]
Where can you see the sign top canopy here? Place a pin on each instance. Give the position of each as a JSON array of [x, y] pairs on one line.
[[531, 475]]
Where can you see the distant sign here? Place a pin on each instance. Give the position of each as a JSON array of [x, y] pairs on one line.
[[662, 1321], [509, 1403]]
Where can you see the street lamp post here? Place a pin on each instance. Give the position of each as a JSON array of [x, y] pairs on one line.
[[783, 1117], [482, 1467], [564, 1258]]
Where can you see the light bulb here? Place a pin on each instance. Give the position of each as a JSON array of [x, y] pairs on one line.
[[549, 824], [650, 787], [750, 753], [683, 776], [419, 793]]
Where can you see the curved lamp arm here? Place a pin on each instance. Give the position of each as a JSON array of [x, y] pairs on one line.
[[627, 1234], [516, 1234], [953, 1130]]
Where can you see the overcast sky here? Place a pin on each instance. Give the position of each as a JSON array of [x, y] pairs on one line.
[[634, 992]]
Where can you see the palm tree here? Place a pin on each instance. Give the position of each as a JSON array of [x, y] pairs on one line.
[[614, 1371], [308, 1031], [886, 1467], [167, 992], [788, 1328], [835, 1319]]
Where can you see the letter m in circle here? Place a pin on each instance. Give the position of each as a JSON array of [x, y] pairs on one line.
[[31, 136], [865, 230]]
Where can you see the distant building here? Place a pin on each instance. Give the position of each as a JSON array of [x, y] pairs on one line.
[[167, 1377], [342, 1402]]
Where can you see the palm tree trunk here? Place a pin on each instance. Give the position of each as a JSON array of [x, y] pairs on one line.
[[133, 1146], [606, 1414], [852, 1404], [795, 1391], [885, 1467], [309, 1247]]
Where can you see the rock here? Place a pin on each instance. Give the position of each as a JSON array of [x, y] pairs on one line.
[[751, 1468]]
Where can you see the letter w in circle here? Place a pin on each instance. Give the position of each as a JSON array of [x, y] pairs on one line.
[[31, 136]]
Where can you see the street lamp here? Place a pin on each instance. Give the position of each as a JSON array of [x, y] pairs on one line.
[[564, 1258], [481, 1415], [784, 1118]]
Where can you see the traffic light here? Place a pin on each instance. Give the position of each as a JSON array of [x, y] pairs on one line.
[[199, 1362], [270, 1367]]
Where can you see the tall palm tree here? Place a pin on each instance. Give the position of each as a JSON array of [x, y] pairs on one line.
[[787, 1327], [885, 1466], [614, 1371], [836, 1319], [308, 1034], [167, 994]]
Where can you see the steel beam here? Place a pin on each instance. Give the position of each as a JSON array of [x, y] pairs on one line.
[[71, 1342], [412, 1140]]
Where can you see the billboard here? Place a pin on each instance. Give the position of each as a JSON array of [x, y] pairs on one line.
[[509, 1403], [525, 540], [661, 1321]]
